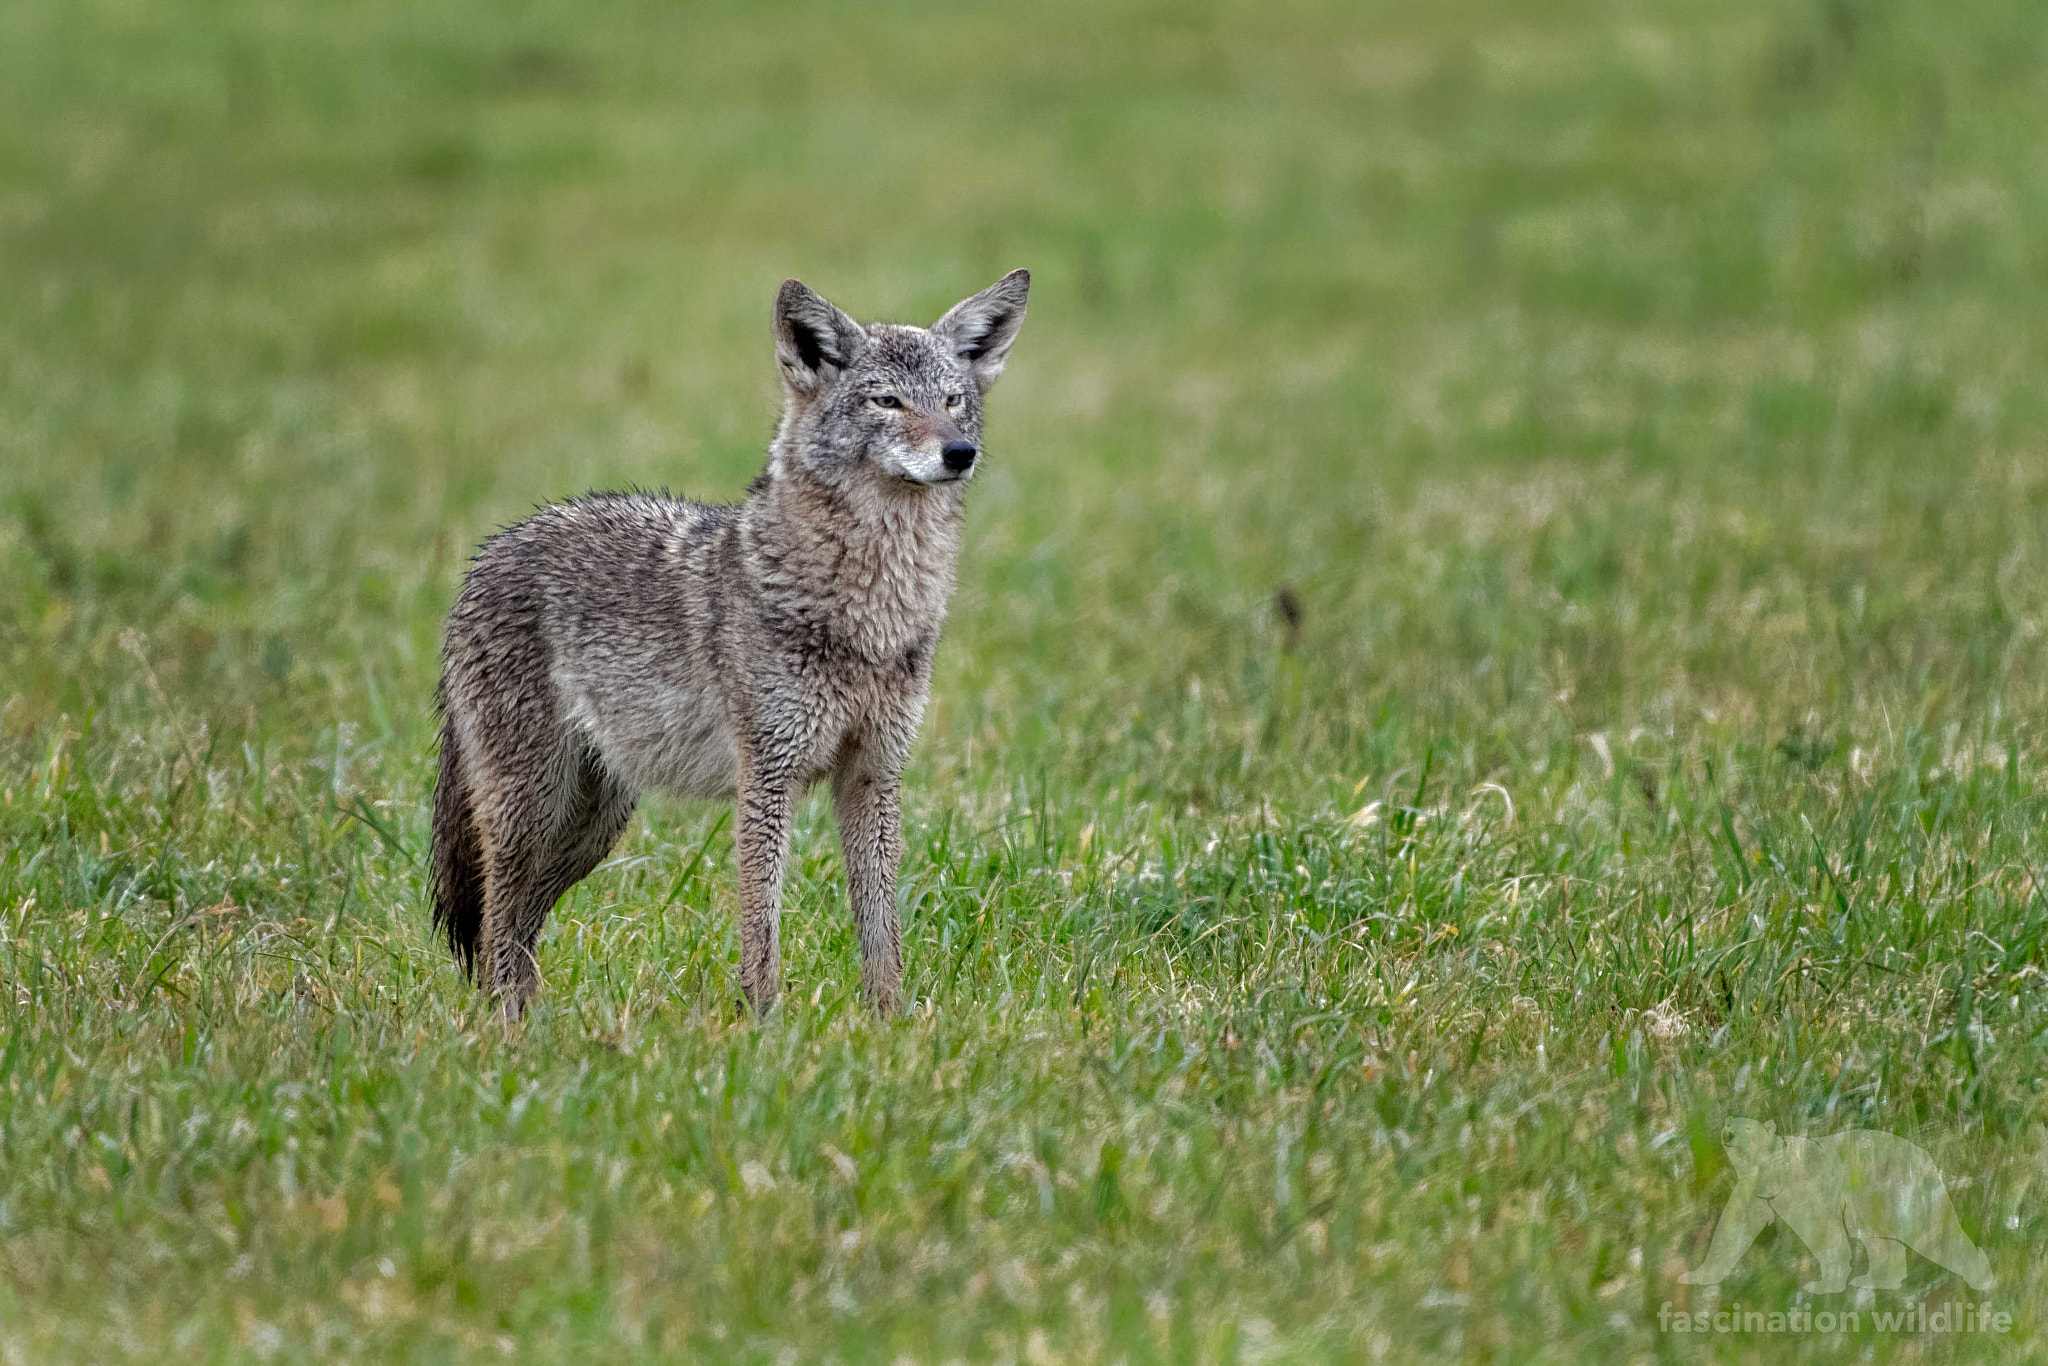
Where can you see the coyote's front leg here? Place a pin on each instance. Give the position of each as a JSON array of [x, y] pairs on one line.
[[761, 816], [865, 790]]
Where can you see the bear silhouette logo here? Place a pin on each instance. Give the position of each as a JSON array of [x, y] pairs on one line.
[[1859, 1184]]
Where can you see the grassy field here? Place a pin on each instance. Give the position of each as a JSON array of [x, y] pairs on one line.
[[1504, 628]]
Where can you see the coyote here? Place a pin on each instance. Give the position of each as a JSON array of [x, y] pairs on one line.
[[625, 641]]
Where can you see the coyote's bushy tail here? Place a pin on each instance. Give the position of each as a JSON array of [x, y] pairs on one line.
[[458, 856]]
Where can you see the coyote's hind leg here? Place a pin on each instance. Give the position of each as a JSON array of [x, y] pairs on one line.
[[598, 809], [545, 835]]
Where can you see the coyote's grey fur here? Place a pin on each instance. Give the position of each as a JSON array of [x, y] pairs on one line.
[[623, 642]]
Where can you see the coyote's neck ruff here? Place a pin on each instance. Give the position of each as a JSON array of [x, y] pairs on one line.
[[619, 643], [870, 566]]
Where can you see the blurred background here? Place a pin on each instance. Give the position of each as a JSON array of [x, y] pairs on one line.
[[1450, 317]]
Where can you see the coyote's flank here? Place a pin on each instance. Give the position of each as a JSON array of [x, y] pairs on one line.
[[624, 642]]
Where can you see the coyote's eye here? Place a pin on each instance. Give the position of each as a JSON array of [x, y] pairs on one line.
[[886, 401], [955, 400]]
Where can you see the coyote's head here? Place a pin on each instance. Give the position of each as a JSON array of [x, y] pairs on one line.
[[905, 401]]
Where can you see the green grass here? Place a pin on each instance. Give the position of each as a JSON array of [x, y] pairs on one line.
[[1642, 402]]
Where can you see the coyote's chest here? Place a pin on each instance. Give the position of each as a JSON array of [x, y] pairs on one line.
[[880, 705]]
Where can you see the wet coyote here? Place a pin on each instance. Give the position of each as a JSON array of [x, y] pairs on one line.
[[624, 642]]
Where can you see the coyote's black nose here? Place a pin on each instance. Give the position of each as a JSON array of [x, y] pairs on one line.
[[958, 455]]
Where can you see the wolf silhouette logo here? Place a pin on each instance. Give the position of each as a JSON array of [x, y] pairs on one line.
[[1861, 1184]]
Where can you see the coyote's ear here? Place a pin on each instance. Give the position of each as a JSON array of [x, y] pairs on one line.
[[981, 327], [813, 340]]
